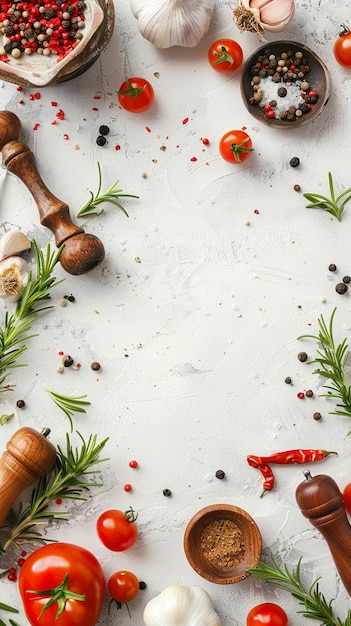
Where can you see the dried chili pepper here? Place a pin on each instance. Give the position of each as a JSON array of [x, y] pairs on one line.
[[289, 456], [268, 476]]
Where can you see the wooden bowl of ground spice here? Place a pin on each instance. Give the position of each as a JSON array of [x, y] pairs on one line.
[[284, 84], [222, 542]]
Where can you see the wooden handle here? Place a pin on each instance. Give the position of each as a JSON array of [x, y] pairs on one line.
[[82, 251], [320, 499], [28, 455]]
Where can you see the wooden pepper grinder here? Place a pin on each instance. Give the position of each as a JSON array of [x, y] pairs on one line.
[[320, 499], [82, 251], [28, 455]]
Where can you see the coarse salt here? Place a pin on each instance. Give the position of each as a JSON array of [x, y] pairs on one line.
[[270, 92]]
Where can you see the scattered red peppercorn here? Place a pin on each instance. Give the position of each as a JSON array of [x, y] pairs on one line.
[[205, 141], [133, 464], [59, 501], [127, 487], [301, 395], [20, 562]]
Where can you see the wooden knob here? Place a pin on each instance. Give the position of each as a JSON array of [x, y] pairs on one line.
[[28, 455], [82, 251], [320, 500]]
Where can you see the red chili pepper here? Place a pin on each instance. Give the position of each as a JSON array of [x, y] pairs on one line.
[[268, 478], [288, 457]]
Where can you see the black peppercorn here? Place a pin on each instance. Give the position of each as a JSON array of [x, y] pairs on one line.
[[95, 366], [317, 416], [346, 279], [20, 404], [67, 360], [282, 91], [309, 393], [71, 298], [341, 288], [104, 130], [167, 493], [302, 356], [101, 140], [220, 474], [288, 380], [294, 162], [332, 267], [297, 188], [142, 585]]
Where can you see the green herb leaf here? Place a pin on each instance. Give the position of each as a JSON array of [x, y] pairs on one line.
[[315, 606], [332, 361], [14, 334], [68, 480], [331, 205], [110, 196], [69, 404], [5, 418]]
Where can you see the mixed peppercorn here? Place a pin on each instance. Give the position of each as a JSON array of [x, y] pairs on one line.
[[42, 26], [288, 68]]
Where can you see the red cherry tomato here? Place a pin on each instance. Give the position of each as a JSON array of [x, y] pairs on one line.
[[117, 529], [267, 614], [225, 55], [123, 586], [235, 146], [346, 495], [72, 570], [136, 95], [342, 47]]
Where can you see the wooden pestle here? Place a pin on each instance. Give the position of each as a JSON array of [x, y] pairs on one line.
[[320, 499], [81, 251], [28, 455]]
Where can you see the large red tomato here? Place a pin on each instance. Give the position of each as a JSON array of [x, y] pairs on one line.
[[267, 614], [117, 529], [342, 47], [62, 584]]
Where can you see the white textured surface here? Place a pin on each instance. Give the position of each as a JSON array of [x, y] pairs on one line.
[[196, 339]]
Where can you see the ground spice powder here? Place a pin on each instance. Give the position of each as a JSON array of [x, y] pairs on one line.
[[222, 543]]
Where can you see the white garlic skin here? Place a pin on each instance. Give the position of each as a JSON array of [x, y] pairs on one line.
[[168, 23], [178, 605], [13, 272], [12, 243], [275, 15]]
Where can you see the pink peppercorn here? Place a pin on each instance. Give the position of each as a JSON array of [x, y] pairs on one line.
[[301, 395], [133, 464], [127, 487]]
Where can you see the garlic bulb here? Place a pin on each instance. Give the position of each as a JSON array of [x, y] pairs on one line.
[[181, 606], [167, 23], [12, 243], [13, 272], [256, 16]]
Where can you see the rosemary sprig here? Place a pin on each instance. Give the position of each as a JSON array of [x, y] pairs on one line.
[[16, 327], [110, 196], [9, 609], [67, 480], [315, 606], [331, 205], [332, 359], [69, 404]]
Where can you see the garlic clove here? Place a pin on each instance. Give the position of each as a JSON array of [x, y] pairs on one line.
[[12, 243], [276, 11], [168, 23], [13, 272]]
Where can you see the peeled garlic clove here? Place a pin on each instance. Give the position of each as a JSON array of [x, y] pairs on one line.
[[13, 272], [167, 23], [12, 243]]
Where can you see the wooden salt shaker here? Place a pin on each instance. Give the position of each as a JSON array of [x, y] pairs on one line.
[[28, 455], [320, 499]]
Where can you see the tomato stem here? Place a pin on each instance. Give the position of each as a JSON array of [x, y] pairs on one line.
[[237, 148], [59, 594], [344, 30], [223, 56], [130, 515], [133, 92]]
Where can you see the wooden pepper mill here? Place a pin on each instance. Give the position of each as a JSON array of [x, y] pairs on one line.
[[28, 455], [82, 251], [320, 499]]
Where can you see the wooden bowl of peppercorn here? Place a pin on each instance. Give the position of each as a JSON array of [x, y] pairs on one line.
[[284, 84], [222, 542], [49, 44]]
